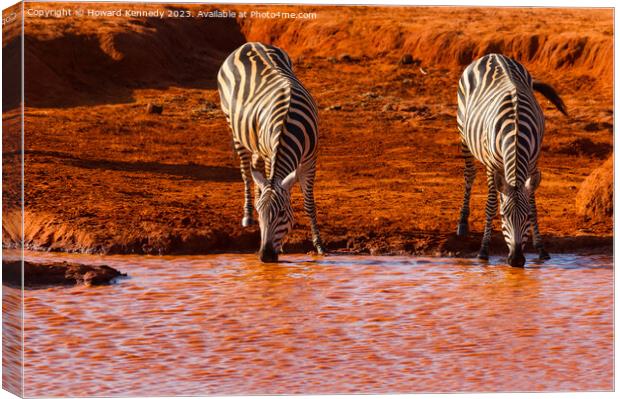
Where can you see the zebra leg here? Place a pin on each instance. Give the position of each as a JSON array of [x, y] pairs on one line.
[[538, 244], [490, 212], [469, 174], [246, 175], [306, 180]]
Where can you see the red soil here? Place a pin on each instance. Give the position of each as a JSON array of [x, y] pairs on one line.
[[595, 199], [104, 176]]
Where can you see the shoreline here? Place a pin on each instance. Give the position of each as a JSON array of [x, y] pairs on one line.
[[426, 244]]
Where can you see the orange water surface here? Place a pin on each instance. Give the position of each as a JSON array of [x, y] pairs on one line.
[[226, 324]]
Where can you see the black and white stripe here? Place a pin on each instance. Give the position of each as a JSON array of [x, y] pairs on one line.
[[274, 125], [502, 125]]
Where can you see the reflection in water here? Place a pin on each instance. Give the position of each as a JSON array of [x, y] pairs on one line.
[[226, 324]]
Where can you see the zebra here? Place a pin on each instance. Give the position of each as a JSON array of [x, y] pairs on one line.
[[501, 125], [274, 125]]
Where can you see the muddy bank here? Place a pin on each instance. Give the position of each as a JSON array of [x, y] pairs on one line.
[[48, 235], [438, 36], [119, 55], [62, 273], [106, 177]]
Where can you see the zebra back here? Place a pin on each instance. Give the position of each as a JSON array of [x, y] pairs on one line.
[[270, 112], [499, 118]]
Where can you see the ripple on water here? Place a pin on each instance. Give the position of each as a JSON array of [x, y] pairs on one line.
[[226, 324]]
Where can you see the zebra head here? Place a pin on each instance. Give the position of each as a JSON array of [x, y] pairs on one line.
[[515, 214], [275, 215]]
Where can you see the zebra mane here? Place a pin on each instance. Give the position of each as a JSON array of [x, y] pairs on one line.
[[515, 82], [279, 133]]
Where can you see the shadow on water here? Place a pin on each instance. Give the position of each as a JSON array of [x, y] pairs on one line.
[[571, 262], [36, 287], [559, 261]]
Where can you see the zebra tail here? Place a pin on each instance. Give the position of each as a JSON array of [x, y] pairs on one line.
[[549, 92]]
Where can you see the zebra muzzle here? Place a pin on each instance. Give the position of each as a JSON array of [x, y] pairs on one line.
[[516, 258], [267, 254]]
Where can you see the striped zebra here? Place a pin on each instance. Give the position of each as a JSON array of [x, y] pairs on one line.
[[501, 124], [274, 126]]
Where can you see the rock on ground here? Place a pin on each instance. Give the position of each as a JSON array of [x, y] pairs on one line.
[[63, 273], [595, 199]]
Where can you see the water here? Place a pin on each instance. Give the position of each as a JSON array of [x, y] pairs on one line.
[[227, 324]]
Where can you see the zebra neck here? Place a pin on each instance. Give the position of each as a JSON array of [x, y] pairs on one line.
[[272, 137], [281, 167], [516, 155]]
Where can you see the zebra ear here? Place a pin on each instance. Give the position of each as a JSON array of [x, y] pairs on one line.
[[532, 182], [500, 182], [259, 178], [289, 180]]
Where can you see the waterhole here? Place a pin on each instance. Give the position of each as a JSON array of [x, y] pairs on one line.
[[227, 324]]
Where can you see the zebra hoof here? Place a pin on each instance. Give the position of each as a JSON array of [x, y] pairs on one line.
[[319, 249], [483, 254], [462, 229], [247, 221], [543, 255]]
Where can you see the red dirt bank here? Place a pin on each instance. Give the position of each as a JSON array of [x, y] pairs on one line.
[[103, 176]]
